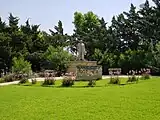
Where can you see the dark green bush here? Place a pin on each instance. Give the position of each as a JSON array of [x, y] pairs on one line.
[[2, 80], [21, 66], [34, 81], [145, 76], [9, 78], [23, 80], [67, 81], [114, 80], [49, 81], [132, 78], [92, 83]]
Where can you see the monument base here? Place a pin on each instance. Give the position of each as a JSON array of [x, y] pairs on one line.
[[89, 72], [73, 65], [85, 70]]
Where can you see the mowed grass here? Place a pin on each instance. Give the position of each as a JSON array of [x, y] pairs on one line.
[[105, 102]]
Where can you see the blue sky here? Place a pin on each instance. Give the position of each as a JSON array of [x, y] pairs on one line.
[[48, 12]]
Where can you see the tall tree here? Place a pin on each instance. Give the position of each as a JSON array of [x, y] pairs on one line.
[[86, 29], [58, 38]]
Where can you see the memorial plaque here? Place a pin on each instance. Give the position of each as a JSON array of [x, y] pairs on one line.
[[89, 72]]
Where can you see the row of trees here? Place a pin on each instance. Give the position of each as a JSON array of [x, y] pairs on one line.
[[130, 42], [28, 42]]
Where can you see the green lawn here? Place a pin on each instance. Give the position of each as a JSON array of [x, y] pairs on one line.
[[105, 102]]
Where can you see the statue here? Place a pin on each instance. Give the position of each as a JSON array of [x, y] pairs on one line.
[[81, 50]]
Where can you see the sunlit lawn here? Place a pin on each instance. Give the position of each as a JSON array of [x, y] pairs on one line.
[[104, 102]]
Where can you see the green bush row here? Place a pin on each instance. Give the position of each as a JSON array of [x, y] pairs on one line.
[[131, 79]]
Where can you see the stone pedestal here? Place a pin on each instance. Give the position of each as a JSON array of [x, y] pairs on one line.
[[85, 70], [73, 65]]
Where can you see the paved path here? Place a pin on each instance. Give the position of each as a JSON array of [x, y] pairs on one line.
[[16, 82], [42, 79]]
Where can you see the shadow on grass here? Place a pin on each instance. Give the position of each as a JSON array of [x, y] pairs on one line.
[[74, 86], [77, 86], [27, 85], [52, 86]]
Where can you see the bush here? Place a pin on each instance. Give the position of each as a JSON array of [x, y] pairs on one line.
[[49, 81], [2, 80], [92, 83], [23, 80], [20, 66], [145, 76], [114, 80], [34, 81], [67, 81], [9, 78], [57, 58], [133, 78]]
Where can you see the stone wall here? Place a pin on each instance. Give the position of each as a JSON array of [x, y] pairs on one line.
[[73, 65], [89, 72]]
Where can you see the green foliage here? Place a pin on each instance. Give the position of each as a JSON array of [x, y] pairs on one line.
[[104, 58], [20, 66], [132, 78], [34, 80], [2, 80], [9, 78], [145, 76], [58, 58], [132, 59], [49, 81], [86, 27], [114, 80], [67, 81], [23, 80], [130, 42], [92, 83]]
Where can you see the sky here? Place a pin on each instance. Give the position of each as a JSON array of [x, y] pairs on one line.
[[47, 13]]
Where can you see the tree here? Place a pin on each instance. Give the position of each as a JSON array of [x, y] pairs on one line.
[[57, 58], [86, 29], [21, 66], [152, 59], [36, 44], [58, 38]]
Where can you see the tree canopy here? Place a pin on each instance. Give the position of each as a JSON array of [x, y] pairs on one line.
[[130, 42]]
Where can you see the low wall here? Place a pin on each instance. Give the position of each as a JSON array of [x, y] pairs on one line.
[[89, 72], [73, 65]]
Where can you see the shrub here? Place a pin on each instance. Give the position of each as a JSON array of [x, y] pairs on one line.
[[23, 80], [2, 80], [145, 76], [114, 80], [9, 78], [57, 58], [49, 81], [92, 83], [20, 66], [67, 81], [133, 78], [34, 81], [33, 78]]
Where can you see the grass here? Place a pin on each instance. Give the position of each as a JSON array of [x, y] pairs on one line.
[[105, 102]]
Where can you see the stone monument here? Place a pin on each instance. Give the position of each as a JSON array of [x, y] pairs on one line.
[[84, 70], [81, 51]]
